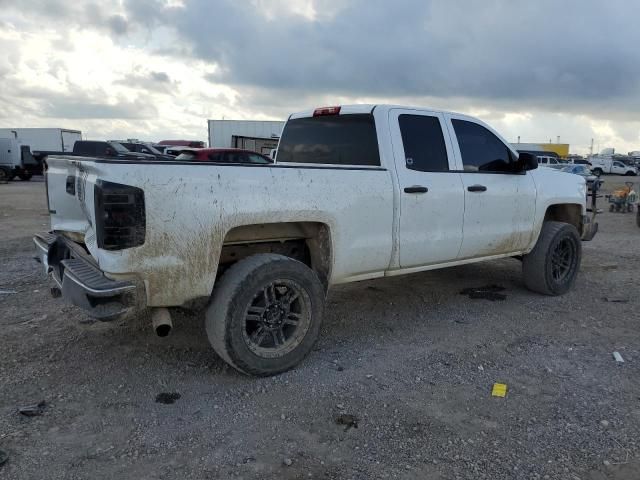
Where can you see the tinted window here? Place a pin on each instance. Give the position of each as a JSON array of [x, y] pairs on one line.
[[424, 147], [481, 150], [215, 157], [234, 157], [334, 139]]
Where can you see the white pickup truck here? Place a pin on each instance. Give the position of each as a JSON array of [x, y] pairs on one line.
[[604, 164], [355, 193]]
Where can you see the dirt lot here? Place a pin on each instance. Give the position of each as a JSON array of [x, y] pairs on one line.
[[410, 357]]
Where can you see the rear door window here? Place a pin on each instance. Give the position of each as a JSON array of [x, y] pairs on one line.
[[423, 142], [330, 140]]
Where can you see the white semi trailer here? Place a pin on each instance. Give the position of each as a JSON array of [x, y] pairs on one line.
[[22, 149], [257, 135], [52, 139]]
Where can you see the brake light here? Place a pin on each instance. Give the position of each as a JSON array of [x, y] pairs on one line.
[[120, 216], [320, 112]]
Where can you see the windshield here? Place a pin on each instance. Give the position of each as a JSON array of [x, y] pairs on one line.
[[118, 147], [152, 149]]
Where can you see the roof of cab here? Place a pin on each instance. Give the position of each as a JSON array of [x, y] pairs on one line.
[[366, 108]]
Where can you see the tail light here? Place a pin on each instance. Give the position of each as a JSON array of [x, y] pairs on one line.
[[320, 112], [120, 216]]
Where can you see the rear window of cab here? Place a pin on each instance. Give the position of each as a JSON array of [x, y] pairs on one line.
[[348, 140]]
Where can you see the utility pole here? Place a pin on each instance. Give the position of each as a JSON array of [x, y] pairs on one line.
[[591, 149], [518, 138], [558, 139]]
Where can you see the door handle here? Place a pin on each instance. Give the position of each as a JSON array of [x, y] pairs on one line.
[[416, 189], [477, 188]]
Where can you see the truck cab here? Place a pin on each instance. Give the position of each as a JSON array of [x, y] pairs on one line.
[[16, 160]]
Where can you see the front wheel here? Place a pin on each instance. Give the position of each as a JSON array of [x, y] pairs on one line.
[[552, 266], [265, 314], [5, 175]]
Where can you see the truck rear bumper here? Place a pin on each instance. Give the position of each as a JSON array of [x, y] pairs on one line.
[[81, 281]]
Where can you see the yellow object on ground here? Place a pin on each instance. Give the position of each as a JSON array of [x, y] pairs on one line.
[[499, 390]]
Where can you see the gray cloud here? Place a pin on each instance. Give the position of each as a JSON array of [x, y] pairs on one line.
[[541, 54], [158, 82], [72, 108], [576, 57], [78, 104]]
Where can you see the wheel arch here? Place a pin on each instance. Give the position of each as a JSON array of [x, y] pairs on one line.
[[307, 241], [570, 213]]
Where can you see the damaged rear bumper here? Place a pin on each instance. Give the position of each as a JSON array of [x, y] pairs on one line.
[[81, 281]]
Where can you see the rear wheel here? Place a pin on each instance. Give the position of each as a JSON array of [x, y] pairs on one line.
[[265, 314], [597, 171], [552, 266]]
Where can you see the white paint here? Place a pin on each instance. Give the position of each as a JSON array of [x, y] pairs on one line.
[[376, 228], [618, 357], [430, 223]]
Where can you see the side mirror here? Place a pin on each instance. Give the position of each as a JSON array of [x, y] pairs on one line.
[[527, 161]]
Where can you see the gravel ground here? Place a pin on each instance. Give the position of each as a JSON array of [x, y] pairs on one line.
[[399, 386]]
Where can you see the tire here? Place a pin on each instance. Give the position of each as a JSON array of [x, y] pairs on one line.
[[5, 175], [597, 172], [25, 176], [269, 343], [558, 243], [630, 174]]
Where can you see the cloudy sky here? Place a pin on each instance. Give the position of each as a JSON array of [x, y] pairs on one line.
[[155, 69]]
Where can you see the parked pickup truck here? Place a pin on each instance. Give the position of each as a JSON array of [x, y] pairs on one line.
[[601, 164], [94, 148], [356, 192]]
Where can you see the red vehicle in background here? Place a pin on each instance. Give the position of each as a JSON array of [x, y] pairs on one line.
[[223, 155], [183, 143]]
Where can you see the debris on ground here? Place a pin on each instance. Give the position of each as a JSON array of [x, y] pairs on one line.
[[347, 420], [618, 357], [33, 410], [288, 462], [490, 292], [7, 292], [613, 299], [4, 456], [499, 390], [167, 398]]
